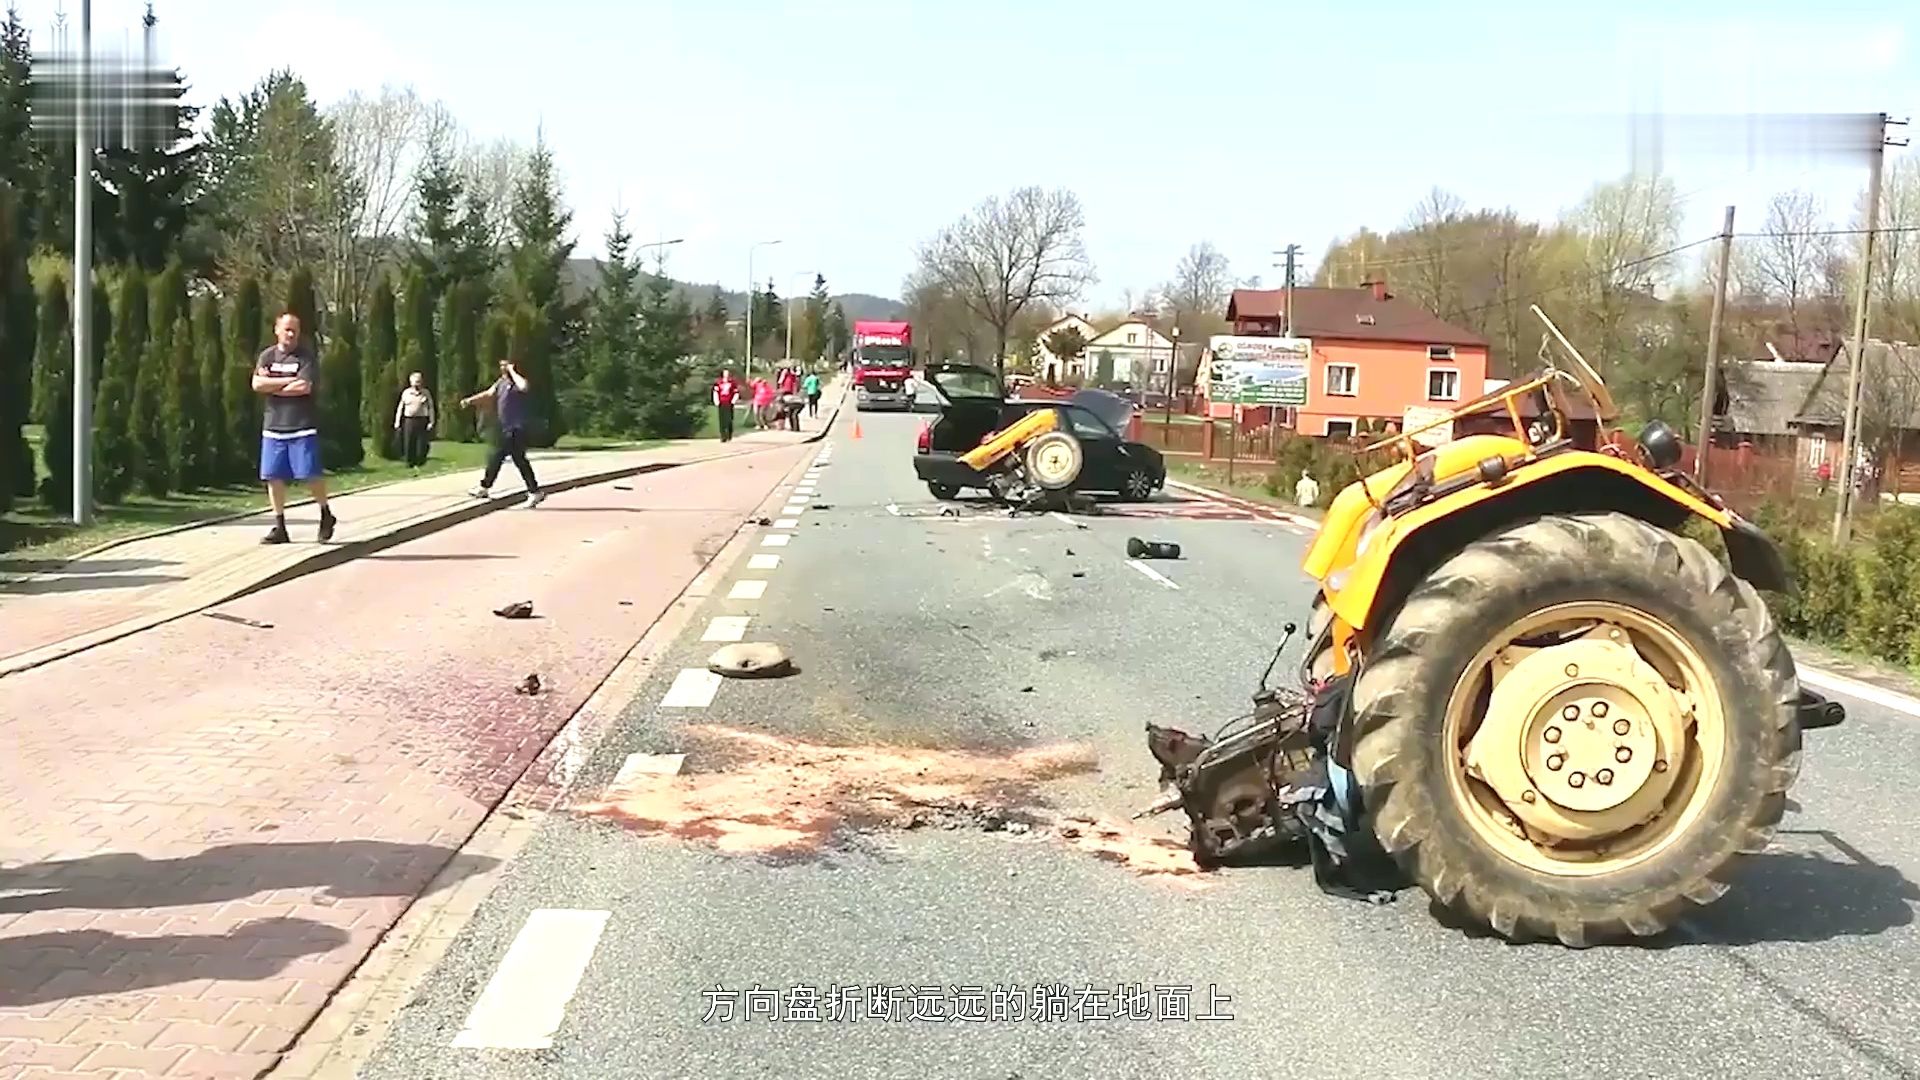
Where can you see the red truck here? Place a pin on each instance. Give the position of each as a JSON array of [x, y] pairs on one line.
[[882, 365]]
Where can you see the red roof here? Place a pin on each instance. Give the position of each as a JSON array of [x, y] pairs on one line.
[[1351, 314]]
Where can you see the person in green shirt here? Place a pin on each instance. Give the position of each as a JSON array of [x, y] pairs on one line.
[[810, 386]]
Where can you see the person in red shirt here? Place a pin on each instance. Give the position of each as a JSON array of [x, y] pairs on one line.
[[726, 392]]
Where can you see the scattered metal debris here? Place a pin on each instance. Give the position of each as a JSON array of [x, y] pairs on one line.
[[1026, 689], [762, 521], [519, 609], [751, 660], [1069, 551], [623, 487], [1151, 549], [1079, 573], [529, 685], [243, 621], [948, 511], [823, 506]]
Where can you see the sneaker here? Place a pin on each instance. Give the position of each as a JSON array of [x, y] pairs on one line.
[[535, 498], [276, 535], [327, 522], [479, 493]]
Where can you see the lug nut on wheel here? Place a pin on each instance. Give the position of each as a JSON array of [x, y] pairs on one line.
[[1556, 761], [1604, 777], [1621, 727], [1623, 755], [1576, 779], [1570, 713], [1552, 735], [1599, 708]]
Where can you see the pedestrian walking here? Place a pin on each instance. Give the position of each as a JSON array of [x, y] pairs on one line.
[[414, 420], [726, 394], [287, 376], [509, 396], [811, 386], [762, 403]]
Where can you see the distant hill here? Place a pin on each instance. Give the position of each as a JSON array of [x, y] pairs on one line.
[[580, 275]]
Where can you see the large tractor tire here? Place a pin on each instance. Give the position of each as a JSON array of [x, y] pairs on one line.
[[1054, 460], [1572, 728]]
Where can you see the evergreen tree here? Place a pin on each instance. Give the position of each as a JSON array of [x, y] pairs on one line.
[[305, 306], [839, 334], [437, 189], [460, 345], [153, 424], [183, 435], [114, 449], [499, 346], [810, 329], [53, 398], [18, 316], [540, 253], [340, 397], [129, 328], [239, 405], [379, 348], [769, 324], [716, 339], [22, 155], [416, 352], [605, 403], [150, 180], [667, 402], [216, 434]]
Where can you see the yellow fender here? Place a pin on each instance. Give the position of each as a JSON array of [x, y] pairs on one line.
[[1036, 423], [1357, 545]]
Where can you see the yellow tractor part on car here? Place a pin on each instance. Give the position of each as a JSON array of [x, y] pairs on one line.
[[1031, 426]]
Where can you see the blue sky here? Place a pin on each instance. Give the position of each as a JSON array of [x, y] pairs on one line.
[[852, 129]]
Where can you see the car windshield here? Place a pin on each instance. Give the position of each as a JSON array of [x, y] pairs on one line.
[[963, 382], [1112, 409], [885, 355]]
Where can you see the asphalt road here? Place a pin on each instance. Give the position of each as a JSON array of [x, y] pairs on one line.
[[936, 654]]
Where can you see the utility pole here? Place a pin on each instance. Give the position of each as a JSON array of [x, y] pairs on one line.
[[83, 278], [1291, 251], [1850, 423], [751, 296], [1708, 389]]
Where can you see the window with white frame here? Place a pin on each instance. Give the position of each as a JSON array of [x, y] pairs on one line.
[[1816, 450], [1440, 352], [1343, 380], [1443, 384]]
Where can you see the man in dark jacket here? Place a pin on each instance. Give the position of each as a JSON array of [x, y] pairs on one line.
[[509, 396]]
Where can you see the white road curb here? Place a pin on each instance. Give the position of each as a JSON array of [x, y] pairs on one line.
[[1840, 684], [1246, 504]]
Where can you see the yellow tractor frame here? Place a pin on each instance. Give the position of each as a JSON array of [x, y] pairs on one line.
[[1383, 533], [1031, 426]]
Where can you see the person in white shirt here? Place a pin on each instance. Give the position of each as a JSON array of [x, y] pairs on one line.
[[413, 419]]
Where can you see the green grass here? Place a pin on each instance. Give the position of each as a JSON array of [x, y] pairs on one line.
[[1249, 482], [33, 530]]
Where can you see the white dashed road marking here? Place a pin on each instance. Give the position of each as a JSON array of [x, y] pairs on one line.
[[649, 765], [747, 589], [1838, 684], [693, 688], [787, 523], [726, 628], [526, 999], [764, 562], [775, 539], [1152, 573]]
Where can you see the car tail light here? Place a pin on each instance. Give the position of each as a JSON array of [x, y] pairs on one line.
[[926, 438]]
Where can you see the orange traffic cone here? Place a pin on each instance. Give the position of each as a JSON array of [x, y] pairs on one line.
[[856, 429]]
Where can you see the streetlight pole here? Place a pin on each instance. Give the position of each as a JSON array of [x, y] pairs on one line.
[[83, 279], [750, 297]]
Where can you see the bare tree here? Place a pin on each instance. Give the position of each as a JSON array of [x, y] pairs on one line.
[[1626, 231], [1435, 244], [1896, 252], [490, 173], [378, 143], [1009, 254], [1198, 293], [1792, 260]]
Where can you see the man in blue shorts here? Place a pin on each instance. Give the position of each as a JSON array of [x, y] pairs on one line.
[[287, 376]]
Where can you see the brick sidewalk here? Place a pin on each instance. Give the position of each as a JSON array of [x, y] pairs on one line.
[[134, 585], [210, 824]]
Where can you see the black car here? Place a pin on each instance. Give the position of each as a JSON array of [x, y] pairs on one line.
[[974, 405]]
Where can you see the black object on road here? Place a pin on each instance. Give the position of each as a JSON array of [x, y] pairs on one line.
[[1151, 549], [529, 685], [519, 609]]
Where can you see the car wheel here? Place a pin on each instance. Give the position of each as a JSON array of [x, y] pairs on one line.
[[943, 491], [1137, 486]]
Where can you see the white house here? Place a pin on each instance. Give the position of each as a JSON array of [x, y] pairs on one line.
[[1043, 357], [1139, 355]]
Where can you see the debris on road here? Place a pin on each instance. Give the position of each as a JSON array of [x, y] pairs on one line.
[[1151, 549], [529, 685], [623, 487], [948, 511], [242, 620], [1079, 573], [519, 609], [762, 521], [750, 660], [1069, 551], [823, 506], [1026, 689]]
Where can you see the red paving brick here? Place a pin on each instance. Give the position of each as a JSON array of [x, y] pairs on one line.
[[209, 824]]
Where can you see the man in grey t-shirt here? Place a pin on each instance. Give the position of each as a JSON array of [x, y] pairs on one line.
[[509, 396], [288, 377]]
